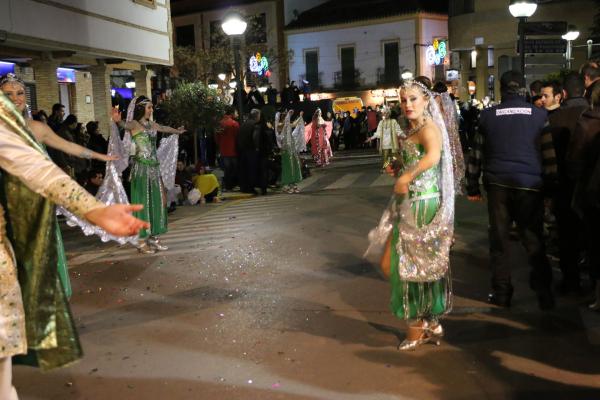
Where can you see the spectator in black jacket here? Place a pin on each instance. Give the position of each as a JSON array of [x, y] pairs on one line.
[[515, 154], [562, 125], [248, 150]]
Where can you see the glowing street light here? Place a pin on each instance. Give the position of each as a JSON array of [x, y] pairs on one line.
[[572, 34], [234, 26], [522, 9]]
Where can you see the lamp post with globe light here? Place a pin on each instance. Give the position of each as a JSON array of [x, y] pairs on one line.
[[234, 26], [572, 34], [522, 9]]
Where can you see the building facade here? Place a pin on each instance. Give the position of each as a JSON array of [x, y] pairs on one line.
[[484, 35], [201, 29], [365, 46], [67, 51]]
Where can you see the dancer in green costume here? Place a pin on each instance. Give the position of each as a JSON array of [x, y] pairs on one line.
[[30, 178], [419, 234], [147, 186], [289, 136]]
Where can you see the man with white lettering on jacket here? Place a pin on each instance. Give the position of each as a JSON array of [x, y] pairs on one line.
[[516, 156]]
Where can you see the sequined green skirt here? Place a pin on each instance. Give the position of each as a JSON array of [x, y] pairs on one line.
[[147, 189], [417, 300], [291, 172]]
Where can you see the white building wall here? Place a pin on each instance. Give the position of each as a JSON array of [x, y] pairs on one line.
[[430, 29], [107, 28], [368, 41], [202, 21]]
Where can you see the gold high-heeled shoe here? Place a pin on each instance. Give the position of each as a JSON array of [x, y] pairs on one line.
[[424, 337], [145, 248], [155, 243], [436, 332]]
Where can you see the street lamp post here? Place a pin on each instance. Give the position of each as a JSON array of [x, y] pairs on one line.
[[522, 9], [572, 34], [234, 26]]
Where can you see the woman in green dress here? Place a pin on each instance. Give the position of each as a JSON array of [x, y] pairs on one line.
[[416, 258], [147, 186], [287, 140]]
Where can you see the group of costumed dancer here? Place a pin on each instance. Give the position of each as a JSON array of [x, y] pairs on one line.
[[416, 230], [292, 137], [36, 326]]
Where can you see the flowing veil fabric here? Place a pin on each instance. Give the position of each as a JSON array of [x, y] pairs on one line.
[[458, 160], [424, 251], [112, 191]]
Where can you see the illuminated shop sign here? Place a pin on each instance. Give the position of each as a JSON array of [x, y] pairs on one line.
[[259, 64], [6, 68], [65, 75], [437, 52]]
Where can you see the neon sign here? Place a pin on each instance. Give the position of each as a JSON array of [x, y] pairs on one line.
[[259, 64], [437, 52]]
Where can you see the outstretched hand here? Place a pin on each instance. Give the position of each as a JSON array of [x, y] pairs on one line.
[[115, 115], [117, 219], [180, 130]]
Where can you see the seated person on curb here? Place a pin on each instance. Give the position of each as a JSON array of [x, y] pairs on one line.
[[208, 185], [94, 181]]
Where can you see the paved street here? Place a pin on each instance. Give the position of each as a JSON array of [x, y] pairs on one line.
[[269, 298]]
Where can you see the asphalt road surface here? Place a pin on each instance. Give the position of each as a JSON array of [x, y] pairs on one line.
[[270, 298]]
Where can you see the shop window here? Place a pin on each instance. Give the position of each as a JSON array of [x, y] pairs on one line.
[[391, 54], [490, 57], [311, 59], [347, 56]]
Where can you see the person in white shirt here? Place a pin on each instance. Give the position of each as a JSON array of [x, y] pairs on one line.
[[388, 132]]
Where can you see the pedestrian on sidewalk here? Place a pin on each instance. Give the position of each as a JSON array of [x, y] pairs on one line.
[[227, 142], [562, 124], [248, 146], [416, 256], [517, 159], [583, 166]]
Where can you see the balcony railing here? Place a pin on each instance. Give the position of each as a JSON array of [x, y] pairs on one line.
[[387, 77], [346, 80], [315, 83]]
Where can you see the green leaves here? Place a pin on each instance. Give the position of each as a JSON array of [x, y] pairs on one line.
[[195, 106]]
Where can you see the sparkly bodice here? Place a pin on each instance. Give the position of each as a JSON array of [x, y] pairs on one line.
[[145, 146], [426, 183]]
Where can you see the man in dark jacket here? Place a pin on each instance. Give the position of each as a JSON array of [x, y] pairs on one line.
[[515, 155], [248, 150], [562, 124]]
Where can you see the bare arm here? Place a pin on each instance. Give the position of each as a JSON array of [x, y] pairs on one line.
[[43, 133], [168, 129], [430, 137]]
